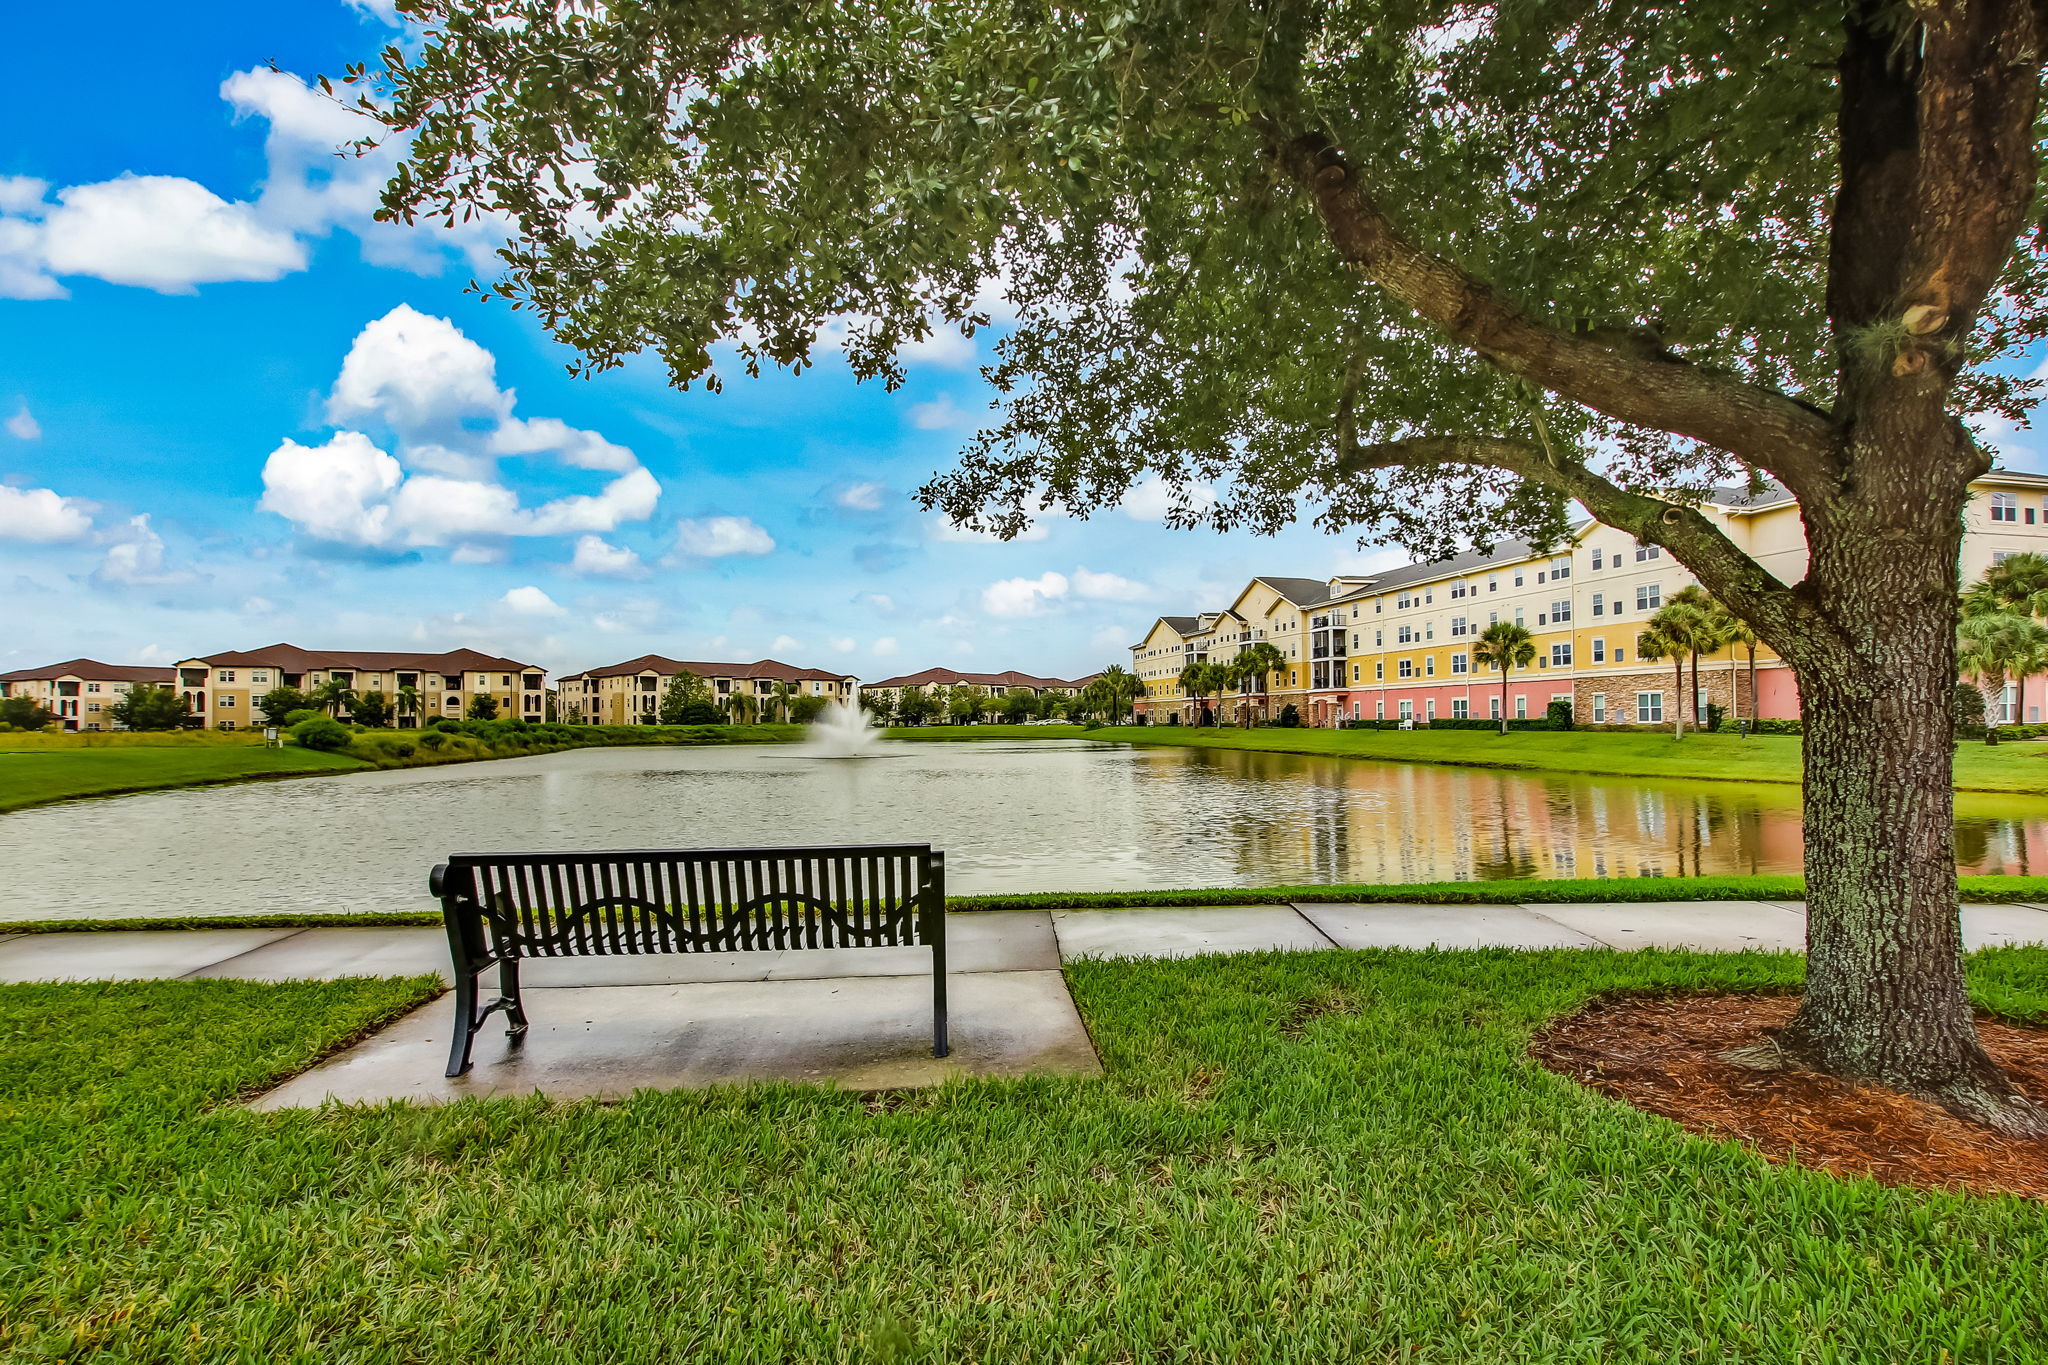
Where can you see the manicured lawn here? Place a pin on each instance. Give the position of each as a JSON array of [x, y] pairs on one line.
[[1313, 1158], [33, 777], [2009, 767]]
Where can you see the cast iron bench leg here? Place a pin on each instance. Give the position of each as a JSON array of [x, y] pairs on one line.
[[940, 1045], [515, 1003], [465, 1022]]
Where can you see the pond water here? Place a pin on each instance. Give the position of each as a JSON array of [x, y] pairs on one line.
[[1042, 815]]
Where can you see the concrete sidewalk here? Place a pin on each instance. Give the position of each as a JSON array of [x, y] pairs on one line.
[[853, 1018]]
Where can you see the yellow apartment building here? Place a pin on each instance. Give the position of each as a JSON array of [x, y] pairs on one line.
[[79, 691], [1398, 645], [629, 693], [222, 689]]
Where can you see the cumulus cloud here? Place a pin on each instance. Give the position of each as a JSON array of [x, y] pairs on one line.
[[845, 644], [436, 392], [1151, 498], [137, 557], [884, 647], [172, 234], [861, 497], [597, 557], [23, 426], [1019, 597], [531, 601], [717, 537], [937, 415], [42, 516], [1109, 587], [785, 644]]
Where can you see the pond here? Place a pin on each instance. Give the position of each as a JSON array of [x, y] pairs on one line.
[[1042, 815]]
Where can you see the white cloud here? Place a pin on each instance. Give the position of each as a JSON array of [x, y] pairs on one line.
[[597, 557], [784, 644], [41, 516], [884, 647], [942, 529], [385, 11], [861, 497], [23, 426], [531, 601], [845, 644], [22, 193], [937, 415], [156, 232], [137, 557], [1017, 597], [1151, 498], [880, 601], [716, 537], [1109, 587], [945, 347], [437, 392], [1110, 638]]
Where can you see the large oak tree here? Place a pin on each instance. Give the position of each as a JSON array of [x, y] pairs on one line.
[[1433, 270]]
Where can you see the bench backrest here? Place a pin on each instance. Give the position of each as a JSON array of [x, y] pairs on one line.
[[695, 900]]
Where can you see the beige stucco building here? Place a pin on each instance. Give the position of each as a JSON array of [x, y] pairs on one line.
[[222, 689], [79, 691], [629, 693], [1398, 645], [890, 690]]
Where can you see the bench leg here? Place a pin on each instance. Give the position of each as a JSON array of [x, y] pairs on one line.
[[515, 1003], [940, 1045], [465, 1023]]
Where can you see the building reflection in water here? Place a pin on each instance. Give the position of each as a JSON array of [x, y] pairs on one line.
[[1311, 819]]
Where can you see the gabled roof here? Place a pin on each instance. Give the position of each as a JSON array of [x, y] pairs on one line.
[[92, 670], [292, 659], [1302, 592], [771, 670]]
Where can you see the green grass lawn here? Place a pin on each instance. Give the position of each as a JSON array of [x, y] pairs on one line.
[[36, 776], [1312, 1158], [986, 732], [2008, 767]]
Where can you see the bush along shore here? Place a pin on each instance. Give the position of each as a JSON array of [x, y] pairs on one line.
[[464, 741]]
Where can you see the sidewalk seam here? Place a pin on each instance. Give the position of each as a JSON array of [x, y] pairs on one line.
[[237, 957]]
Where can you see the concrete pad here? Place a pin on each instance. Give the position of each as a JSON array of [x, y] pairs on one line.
[[128, 955], [1183, 933], [1707, 926], [976, 941], [1442, 926], [854, 1033], [325, 954], [1996, 926]]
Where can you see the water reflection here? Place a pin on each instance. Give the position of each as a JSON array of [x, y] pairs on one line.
[[1045, 815]]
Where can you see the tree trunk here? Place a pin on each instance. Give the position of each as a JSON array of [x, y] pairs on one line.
[[1885, 998], [1503, 699], [1755, 707], [1678, 695]]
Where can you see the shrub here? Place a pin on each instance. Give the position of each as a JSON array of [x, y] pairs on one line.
[[444, 723], [1476, 723], [1559, 714], [1290, 717], [321, 733], [1967, 707], [1716, 713], [704, 713], [403, 750], [300, 717], [432, 740], [1771, 726]]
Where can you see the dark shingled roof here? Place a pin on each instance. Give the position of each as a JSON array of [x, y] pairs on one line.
[[92, 670], [293, 659]]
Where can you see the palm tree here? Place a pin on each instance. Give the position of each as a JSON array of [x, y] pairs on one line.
[[1654, 644], [334, 696], [1507, 646], [409, 705], [1997, 646], [1258, 663], [1120, 687], [742, 707], [784, 694], [1198, 680], [2018, 583], [1699, 632]]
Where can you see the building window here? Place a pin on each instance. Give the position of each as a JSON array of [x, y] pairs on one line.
[[1493, 708], [1650, 708], [1560, 567], [2005, 507], [1649, 596], [1596, 557], [1457, 626], [1405, 635], [1599, 603], [1518, 578], [1461, 663], [1561, 656], [1460, 709], [227, 700], [1644, 553], [1379, 672], [1379, 710], [1406, 668], [1407, 710], [1429, 666], [1354, 672], [1379, 639], [1599, 708], [1493, 582], [1620, 654], [2009, 704], [1522, 707], [1429, 709], [1599, 649], [226, 675], [1561, 610], [92, 687]]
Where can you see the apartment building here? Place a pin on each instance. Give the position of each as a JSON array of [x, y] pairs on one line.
[[1398, 645], [79, 691], [629, 693], [890, 690], [222, 689]]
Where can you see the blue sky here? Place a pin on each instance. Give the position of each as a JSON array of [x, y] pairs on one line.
[[233, 410]]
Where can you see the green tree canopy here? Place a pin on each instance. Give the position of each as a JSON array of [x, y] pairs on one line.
[[148, 707], [281, 701]]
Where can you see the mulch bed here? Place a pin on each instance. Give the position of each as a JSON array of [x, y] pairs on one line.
[[1660, 1054]]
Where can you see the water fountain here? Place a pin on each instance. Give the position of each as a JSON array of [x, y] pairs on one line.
[[842, 730]]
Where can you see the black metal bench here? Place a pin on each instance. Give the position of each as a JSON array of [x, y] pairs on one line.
[[501, 908]]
